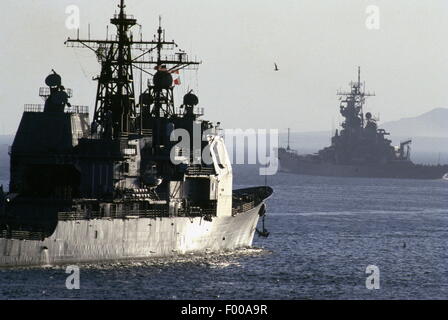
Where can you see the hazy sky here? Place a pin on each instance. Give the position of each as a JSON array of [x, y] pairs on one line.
[[317, 44]]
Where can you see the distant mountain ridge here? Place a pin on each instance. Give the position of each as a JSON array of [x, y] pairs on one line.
[[430, 124], [433, 123], [428, 131], [429, 134]]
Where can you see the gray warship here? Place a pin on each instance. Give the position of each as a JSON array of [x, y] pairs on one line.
[[359, 149], [122, 186]]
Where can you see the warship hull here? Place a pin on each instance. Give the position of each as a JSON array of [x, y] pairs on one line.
[[293, 163], [106, 239]]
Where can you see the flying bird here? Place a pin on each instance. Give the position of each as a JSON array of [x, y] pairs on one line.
[[276, 67]]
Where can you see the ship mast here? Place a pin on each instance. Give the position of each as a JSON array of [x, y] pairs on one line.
[[352, 105], [116, 111]]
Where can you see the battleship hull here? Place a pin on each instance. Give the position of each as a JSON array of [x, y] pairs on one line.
[[293, 163], [106, 239]]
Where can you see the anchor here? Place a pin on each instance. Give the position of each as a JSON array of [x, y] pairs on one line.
[[264, 233]]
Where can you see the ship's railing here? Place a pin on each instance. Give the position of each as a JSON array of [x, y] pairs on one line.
[[77, 109], [198, 111], [126, 16], [243, 207], [97, 136], [174, 58], [247, 199], [45, 92], [22, 235], [146, 132], [196, 212], [40, 108], [34, 108], [200, 170], [99, 215], [130, 214], [89, 135]]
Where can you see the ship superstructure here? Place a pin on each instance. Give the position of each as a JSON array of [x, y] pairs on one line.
[[360, 141], [145, 178]]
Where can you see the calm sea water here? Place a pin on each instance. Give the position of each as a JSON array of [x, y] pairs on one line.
[[324, 233]]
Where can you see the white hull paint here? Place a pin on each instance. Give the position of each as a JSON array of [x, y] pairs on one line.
[[140, 238]]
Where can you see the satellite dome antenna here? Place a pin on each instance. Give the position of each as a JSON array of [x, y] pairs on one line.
[[53, 80], [190, 99]]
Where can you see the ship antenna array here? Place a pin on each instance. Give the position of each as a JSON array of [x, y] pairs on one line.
[[356, 96], [357, 93], [115, 94], [359, 77]]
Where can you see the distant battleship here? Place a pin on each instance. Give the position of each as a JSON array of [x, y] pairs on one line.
[[111, 190], [359, 149]]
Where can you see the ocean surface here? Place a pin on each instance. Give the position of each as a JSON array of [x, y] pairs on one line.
[[324, 234]]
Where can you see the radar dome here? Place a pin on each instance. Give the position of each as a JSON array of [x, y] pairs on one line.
[[53, 80], [162, 80], [191, 99]]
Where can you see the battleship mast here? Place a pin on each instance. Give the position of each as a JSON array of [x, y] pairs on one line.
[[116, 110], [352, 106]]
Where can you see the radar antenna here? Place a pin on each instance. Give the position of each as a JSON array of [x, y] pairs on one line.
[[352, 103], [116, 111]]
